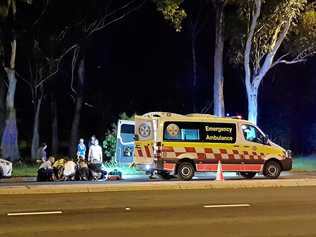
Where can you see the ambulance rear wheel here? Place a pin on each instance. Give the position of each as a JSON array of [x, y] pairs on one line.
[[272, 169], [248, 175], [185, 171], [1, 173]]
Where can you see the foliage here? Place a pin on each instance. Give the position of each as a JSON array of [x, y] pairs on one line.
[[274, 16], [302, 38], [172, 12], [109, 143]]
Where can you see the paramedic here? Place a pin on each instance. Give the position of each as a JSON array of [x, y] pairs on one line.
[[45, 171], [95, 158]]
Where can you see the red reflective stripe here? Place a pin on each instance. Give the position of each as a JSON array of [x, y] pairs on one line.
[[169, 166], [140, 153], [201, 156], [208, 150], [167, 149], [232, 167], [253, 167], [190, 149], [229, 167], [223, 151], [147, 151], [206, 167]]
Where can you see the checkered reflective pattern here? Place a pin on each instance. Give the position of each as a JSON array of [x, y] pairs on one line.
[[211, 153]]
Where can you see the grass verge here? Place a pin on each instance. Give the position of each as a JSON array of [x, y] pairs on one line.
[[24, 170], [307, 163]]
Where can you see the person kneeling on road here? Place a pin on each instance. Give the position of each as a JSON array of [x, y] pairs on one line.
[[95, 160], [83, 169], [46, 172], [70, 170], [58, 167]]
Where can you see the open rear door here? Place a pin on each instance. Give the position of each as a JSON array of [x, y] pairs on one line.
[[144, 140], [124, 152]]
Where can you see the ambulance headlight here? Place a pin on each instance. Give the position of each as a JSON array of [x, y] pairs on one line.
[[147, 167]]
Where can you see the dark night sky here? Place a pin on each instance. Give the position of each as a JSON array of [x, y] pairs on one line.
[[141, 64]]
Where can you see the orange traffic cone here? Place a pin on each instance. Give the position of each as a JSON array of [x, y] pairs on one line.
[[219, 173]]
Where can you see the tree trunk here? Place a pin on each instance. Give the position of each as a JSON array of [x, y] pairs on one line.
[[194, 71], [74, 136], [253, 106], [218, 91], [2, 105], [9, 143], [35, 138], [54, 112]]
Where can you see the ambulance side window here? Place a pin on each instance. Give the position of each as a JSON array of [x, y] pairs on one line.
[[181, 131], [252, 134], [190, 134], [127, 128]]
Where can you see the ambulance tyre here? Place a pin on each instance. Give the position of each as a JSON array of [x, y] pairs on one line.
[[1, 173], [248, 175], [272, 169], [185, 171]]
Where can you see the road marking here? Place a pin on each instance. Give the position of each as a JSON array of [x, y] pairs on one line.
[[35, 213], [227, 205]]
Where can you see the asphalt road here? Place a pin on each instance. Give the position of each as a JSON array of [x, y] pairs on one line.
[[16, 181], [264, 212]]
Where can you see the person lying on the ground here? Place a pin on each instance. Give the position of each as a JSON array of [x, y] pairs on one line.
[[70, 170], [45, 172], [97, 171]]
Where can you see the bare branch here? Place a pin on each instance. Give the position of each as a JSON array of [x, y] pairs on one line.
[[73, 65], [302, 57], [42, 13], [102, 22]]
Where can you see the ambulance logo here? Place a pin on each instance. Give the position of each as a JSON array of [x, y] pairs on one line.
[[173, 129], [144, 130]]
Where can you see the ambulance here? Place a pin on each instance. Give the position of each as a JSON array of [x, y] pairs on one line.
[[184, 144]]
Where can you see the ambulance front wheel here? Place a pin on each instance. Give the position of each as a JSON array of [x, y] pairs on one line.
[[185, 171], [272, 169]]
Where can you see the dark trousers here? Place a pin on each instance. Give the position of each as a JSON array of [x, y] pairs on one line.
[[45, 175]]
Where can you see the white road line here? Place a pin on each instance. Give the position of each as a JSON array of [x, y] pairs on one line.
[[227, 205], [35, 213]]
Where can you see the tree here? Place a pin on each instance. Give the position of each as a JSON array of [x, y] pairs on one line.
[[172, 11], [40, 71], [278, 32], [92, 24], [9, 142], [218, 88], [194, 25]]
